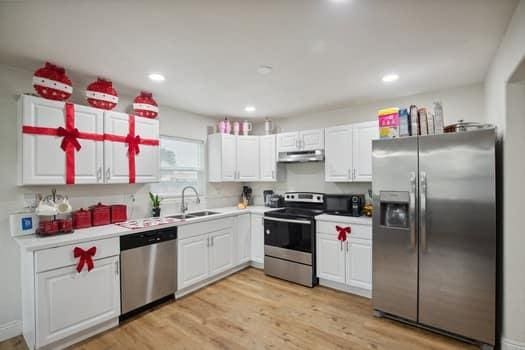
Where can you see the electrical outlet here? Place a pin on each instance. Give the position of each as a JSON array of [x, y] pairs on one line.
[[30, 200]]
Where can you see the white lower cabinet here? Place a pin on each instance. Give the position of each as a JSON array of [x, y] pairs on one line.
[[243, 238], [330, 258], [349, 263], [69, 302], [221, 252], [257, 239], [192, 264]]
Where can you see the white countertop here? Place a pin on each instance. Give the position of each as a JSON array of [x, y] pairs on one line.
[[34, 242], [363, 220]]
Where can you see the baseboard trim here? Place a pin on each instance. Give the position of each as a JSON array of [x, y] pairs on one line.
[[10, 329], [345, 288], [508, 344], [257, 265]]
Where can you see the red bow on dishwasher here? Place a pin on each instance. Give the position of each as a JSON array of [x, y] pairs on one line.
[[86, 257], [342, 231]]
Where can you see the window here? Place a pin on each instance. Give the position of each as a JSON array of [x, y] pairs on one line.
[[181, 164]]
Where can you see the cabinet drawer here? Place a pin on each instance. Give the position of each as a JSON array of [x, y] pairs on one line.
[[200, 228], [53, 258], [358, 230]]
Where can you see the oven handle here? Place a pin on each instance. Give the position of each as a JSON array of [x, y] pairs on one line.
[[293, 221]]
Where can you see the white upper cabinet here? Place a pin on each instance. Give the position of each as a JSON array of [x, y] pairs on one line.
[[364, 134], [311, 139], [247, 158], [268, 161], [119, 162], [348, 152], [306, 140], [288, 141], [233, 158], [42, 160], [338, 157], [47, 125]]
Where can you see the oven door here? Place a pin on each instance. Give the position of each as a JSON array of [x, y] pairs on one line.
[[290, 239]]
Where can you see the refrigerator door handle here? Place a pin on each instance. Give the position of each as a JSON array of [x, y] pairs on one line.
[[423, 210], [412, 210]]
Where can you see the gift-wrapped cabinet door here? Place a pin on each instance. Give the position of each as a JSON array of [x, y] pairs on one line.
[[43, 148], [140, 164]]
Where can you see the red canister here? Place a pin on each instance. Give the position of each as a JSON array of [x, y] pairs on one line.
[[82, 218], [65, 225], [100, 214], [119, 213]]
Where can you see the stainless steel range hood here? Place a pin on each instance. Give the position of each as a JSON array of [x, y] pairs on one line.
[[301, 156]]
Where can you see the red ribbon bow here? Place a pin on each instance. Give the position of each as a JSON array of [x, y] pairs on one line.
[[342, 231], [86, 257], [70, 137], [133, 144]]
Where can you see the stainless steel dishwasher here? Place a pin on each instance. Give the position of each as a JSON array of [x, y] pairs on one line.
[[148, 263]]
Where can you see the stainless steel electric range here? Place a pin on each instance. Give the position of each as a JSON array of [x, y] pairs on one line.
[[289, 238]]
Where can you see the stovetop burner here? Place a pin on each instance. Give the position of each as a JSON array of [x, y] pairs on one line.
[[299, 212], [300, 205]]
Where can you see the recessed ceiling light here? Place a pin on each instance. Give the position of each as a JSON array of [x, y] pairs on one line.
[[249, 109], [390, 78], [156, 77], [264, 69]]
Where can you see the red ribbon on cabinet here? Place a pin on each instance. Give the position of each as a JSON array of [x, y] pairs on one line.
[[70, 136], [133, 142], [86, 258], [342, 232]]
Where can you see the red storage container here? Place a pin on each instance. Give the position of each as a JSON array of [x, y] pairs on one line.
[[48, 227], [65, 225], [119, 213], [100, 214], [82, 218]]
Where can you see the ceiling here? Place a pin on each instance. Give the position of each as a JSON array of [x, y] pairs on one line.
[[325, 54]]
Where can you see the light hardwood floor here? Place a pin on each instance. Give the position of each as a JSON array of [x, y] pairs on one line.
[[252, 311]]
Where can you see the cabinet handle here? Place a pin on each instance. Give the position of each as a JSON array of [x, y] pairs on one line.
[[341, 245], [350, 174], [212, 241], [273, 174], [99, 174], [208, 242], [347, 246], [108, 174], [353, 174], [116, 268]]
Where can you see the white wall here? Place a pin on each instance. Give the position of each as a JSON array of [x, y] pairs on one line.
[[458, 103], [13, 82], [505, 107]]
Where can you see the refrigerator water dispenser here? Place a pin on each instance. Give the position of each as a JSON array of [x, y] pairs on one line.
[[394, 209]]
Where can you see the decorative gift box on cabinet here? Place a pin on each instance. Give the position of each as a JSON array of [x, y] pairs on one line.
[[65, 143]]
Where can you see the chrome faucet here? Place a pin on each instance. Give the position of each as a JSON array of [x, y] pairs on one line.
[[183, 206]]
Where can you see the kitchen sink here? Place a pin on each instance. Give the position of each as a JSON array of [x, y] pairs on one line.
[[197, 214], [203, 213], [180, 216]]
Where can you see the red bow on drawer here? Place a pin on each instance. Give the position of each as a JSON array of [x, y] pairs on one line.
[[342, 231], [86, 257]]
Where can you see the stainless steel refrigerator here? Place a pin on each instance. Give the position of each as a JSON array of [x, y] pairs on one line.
[[434, 232]]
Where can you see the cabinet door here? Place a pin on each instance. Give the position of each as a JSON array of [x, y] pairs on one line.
[[257, 242], [364, 133], [247, 158], [148, 159], [192, 261], [43, 161], [359, 263], [243, 238], [229, 157], [288, 142], [68, 302], [338, 153], [330, 258], [311, 140], [268, 162], [221, 252], [116, 153]]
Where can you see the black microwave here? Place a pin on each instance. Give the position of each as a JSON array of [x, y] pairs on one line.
[[344, 204]]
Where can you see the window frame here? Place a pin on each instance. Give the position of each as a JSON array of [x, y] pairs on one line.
[[202, 170]]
